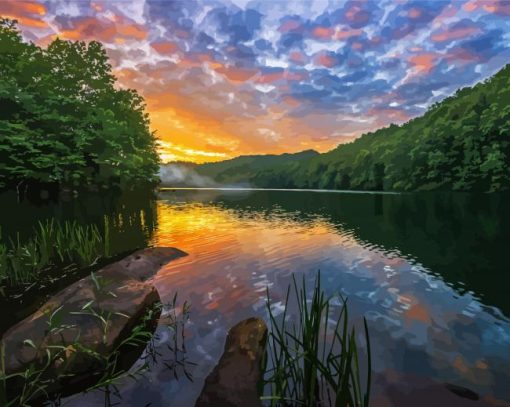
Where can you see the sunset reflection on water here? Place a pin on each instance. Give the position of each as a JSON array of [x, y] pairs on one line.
[[424, 330], [420, 326]]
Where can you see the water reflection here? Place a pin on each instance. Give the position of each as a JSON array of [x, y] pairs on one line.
[[130, 217], [409, 263], [426, 270], [461, 237]]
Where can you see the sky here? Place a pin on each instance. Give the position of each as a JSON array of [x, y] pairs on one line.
[[235, 77]]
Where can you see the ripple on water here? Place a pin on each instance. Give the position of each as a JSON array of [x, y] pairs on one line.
[[419, 324]]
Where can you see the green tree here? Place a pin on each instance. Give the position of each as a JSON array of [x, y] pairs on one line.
[[62, 120]]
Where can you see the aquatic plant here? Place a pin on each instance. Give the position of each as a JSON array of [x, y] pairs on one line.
[[53, 244], [36, 383], [313, 362]]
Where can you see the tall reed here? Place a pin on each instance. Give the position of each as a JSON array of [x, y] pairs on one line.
[[313, 362], [52, 244], [35, 383]]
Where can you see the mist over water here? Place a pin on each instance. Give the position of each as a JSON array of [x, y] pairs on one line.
[[178, 175], [175, 175]]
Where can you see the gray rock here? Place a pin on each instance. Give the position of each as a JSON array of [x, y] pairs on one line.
[[462, 391], [119, 293], [235, 379]]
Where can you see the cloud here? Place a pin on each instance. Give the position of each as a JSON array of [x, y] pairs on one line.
[[358, 14], [326, 59], [106, 30], [235, 74], [461, 30], [423, 63], [165, 47], [27, 13], [223, 78], [500, 7]]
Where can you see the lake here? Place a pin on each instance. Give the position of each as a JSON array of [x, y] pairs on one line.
[[429, 272]]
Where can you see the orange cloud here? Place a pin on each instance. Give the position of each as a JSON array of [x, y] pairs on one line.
[[126, 75], [164, 47], [283, 75], [292, 102], [93, 28], [132, 31], [323, 33], [497, 7], [187, 131], [501, 7], [297, 57], [22, 8], [324, 60], [423, 63], [414, 13], [454, 34], [234, 74], [27, 13], [89, 28], [191, 60], [447, 12], [470, 6], [96, 7], [202, 120], [290, 25]]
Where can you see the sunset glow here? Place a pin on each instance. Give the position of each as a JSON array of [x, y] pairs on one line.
[[225, 78]]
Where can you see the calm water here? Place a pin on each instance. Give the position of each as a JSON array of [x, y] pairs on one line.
[[429, 271]]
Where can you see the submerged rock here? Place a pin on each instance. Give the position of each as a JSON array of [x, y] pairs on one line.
[[235, 379], [462, 391], [96, 313]]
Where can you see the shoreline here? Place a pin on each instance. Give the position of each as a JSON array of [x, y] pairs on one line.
[[243, 189]]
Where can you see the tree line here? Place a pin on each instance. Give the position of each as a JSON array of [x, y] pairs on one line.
[[64, 123], [461, 143]]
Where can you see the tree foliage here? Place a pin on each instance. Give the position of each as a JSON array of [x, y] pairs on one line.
[[63, 121], [461, 144], [240, 169]]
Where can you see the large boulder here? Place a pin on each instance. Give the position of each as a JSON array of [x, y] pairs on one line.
[[235, 379], [94, 314]]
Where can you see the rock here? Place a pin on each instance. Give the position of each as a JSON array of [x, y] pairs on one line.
[[462, 391], [235, 379], [119, 295]]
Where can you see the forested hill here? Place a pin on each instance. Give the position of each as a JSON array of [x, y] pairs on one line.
[[243, 169], [63, 122], [461, 143]]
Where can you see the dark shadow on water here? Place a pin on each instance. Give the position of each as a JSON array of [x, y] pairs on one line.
[[131, 217], [463, 238], [166, 347]]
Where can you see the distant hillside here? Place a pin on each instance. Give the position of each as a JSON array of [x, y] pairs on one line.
[[243, 169], [461, 143]]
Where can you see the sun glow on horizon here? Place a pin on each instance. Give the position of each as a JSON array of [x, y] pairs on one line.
[[223, 79], [169, 152]]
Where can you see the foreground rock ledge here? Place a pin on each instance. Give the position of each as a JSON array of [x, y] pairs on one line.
[[120, 293], [234, 381]]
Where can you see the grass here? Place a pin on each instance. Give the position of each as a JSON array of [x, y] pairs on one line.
[[53, 244], [36, 381], [35, 384], [315, 360]]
